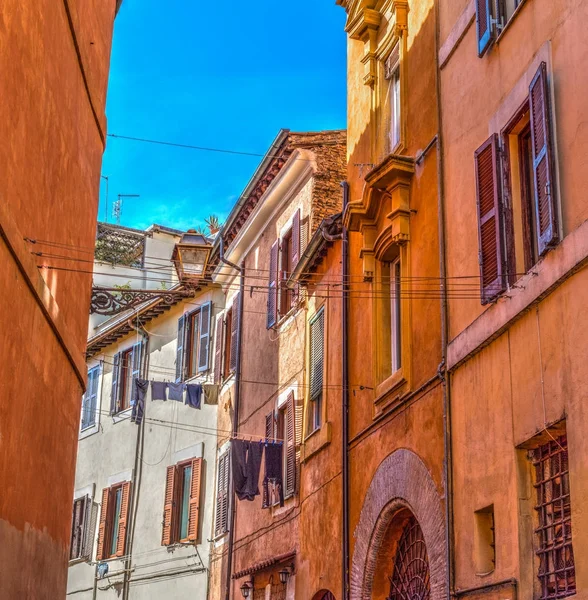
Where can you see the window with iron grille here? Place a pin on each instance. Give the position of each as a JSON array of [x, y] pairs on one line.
[[557, 574]]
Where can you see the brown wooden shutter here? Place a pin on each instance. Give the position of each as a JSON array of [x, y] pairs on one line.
[[234, 333], [484, 27], [490, 221], [290, 447], [204, 343], [218, 351], [546, 210], [272, 295], [168, 506], [222, 496], [194, 508], [295, 250], [115, 390], [101, 553], [122, 522]]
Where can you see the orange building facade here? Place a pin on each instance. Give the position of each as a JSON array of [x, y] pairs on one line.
[[396, 400], [283, 237], [54, 59], [513, 89]]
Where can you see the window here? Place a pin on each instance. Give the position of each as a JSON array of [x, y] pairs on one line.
[[127, 366], [193, 342], [285, 425], [284, 256], [90, 399], [316, 370], [556, 573], [227, 337], [221, 518], [517, 212], [81, 534], [392, 74], [112, 529], [484, 546], [491, 18], [389, 316], [182, 502]]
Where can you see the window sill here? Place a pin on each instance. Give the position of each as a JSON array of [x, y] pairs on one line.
[[220, 539], [278, 510], [316, 441], [285, 319], [78, 561], [389, 393], [88, 431], [123, 415]]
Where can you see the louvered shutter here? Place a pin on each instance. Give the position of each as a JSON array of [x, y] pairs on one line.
[[218, 351], [90, 399], [222, 496], [122, 522], [234, 332], [317, 352], [168, 506], [137, 354], [290, 447], [484, 26], [299, 418], [295, 250], [180, 349], [115, 390], [88, 529], [101, 553], [545, 208], [204, 343], [272, 294], [194, 506], [490, 221]]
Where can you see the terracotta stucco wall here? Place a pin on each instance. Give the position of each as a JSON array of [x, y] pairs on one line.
[[50, 162]]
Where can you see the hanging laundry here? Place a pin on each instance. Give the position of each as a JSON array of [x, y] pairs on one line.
[[273, 470], [138, 393], [194, 395], [210, 393], [175, 391], [246, 461], [158, 390]]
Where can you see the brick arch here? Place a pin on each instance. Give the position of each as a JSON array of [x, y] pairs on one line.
[[401, 481]]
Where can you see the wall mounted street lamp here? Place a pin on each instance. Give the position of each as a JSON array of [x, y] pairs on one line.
[[246, 588], [285, 573], [190, 256]]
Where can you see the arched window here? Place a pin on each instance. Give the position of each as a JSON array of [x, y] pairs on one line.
[[410, 578]]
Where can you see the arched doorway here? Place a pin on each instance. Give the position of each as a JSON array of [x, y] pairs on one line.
[[323, 595], [399, 551]]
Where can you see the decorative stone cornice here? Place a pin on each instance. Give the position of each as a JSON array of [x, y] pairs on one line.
[[387, 188]]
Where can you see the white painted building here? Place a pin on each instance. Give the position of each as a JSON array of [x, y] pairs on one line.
[[145, 494]]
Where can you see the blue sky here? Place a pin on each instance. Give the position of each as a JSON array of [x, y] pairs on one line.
[[218, 74]]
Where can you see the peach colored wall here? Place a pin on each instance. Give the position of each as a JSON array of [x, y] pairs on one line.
[[533, 374], [50, 162]]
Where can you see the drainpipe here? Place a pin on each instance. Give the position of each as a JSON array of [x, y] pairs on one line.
[[235, 428], [345, 398], [446, 388], [136, 478]]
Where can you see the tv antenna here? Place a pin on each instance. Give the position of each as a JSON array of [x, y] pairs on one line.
[[117, 206]]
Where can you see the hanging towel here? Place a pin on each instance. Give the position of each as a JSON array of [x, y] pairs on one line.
[[175, 391], [194, 395], [210, 393], [246, 462], [158, 390], [273, 470], [140, 387]]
